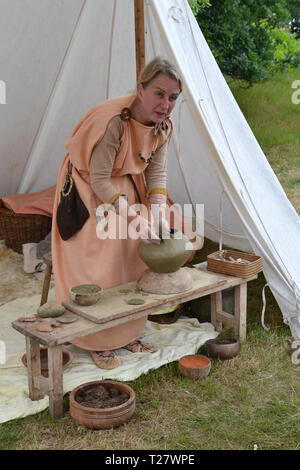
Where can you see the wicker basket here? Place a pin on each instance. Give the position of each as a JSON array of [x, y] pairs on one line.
[[22, 228], [235, 269]]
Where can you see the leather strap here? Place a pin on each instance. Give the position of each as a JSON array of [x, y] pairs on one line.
[[135, 188]]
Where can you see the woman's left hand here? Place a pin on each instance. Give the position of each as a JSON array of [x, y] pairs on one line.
[[159, 221]]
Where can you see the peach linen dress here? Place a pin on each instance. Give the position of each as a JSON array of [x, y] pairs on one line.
[[84, 258]]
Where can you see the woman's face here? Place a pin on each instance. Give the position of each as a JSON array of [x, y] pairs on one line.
[[158, 99]]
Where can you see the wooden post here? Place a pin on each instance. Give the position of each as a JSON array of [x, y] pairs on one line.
[[33, 367], [215, 308], [139, 35], [46, 285], [55, 358], [48, 261], [240, 311]]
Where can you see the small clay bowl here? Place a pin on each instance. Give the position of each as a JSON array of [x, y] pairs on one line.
[[195, 365], [222, 348], [67, 359], [86, 294]]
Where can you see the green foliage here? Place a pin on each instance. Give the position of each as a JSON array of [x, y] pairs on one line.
[[294, 9], [286, 50], [249, 38], [198, 5]]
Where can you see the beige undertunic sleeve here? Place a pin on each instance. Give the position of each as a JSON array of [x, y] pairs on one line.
[[102, 161], [156, 171], [156, 176]]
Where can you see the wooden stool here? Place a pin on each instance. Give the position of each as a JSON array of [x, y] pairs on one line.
[[47, 258]]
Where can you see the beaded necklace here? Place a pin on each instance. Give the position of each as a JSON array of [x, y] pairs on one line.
[[147, 160], [126, 116]]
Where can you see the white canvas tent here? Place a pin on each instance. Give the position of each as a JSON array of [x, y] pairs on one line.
[[58, 58]]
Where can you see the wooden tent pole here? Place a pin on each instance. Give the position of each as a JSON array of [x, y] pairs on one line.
[[139, 35]]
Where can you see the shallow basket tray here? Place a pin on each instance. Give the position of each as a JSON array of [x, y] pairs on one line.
[[234, 269], [22, 228]]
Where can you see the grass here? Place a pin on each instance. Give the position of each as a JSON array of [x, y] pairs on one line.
[[251, 400]]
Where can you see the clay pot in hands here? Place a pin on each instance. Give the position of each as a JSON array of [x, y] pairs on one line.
[[169, 255]]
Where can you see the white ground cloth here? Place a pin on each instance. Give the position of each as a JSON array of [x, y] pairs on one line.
[[173, 341]]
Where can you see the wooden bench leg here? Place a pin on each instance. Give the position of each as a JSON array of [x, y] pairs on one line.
[[240, 311], [216, 306], [46, 284], [55, 360], [33, 367]]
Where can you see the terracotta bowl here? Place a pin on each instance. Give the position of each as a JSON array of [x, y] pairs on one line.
[[195, 365], [222, 348], [67, 359], [86, 294], [102, 418]]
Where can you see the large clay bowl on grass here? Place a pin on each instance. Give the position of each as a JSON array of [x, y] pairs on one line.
[[102, 418], [195, 365], [222, 348]]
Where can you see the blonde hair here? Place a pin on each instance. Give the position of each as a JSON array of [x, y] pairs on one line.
[[159, 65]]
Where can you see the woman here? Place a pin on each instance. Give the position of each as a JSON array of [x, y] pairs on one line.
[[118, 152]]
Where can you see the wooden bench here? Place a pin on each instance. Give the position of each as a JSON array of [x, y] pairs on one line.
[[111, 312]]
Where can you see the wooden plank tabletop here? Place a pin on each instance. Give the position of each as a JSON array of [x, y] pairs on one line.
[[68, 332], [112, 309], [113, 303]]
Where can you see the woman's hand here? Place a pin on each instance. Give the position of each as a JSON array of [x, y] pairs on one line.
[[158, 215], [160, 224], [138, 226]]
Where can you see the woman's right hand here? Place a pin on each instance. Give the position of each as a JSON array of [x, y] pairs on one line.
[[139, 227]]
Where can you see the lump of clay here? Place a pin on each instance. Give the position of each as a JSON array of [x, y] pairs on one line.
[[44, 327], [50, 309], [27, 317]]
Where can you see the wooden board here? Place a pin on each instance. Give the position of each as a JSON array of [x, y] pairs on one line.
[[68, 332], [205, 283], [113, 305]]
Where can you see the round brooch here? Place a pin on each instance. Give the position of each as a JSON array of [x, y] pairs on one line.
[[125, 114]]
